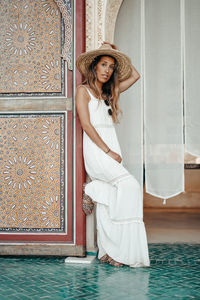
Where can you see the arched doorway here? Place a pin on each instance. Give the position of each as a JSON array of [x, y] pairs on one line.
[[130, 37]]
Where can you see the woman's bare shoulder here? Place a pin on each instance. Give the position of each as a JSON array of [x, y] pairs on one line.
[[81, 92], [81, 88]]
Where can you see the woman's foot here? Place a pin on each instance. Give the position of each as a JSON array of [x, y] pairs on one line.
[[104, 258], [88, 204], [114, 263]]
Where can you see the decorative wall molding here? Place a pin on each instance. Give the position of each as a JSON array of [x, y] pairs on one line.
[[101, 17], [94, 22], [111, 12]]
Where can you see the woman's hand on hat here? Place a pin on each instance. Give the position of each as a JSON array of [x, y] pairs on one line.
[[115, 156], [112, 45]]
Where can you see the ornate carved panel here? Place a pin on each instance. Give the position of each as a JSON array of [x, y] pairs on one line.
[[32, 172], [30, 36]]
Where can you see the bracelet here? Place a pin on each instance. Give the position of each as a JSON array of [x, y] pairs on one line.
[[107, 151]]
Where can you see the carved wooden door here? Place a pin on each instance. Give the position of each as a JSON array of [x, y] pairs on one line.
[[41, 165]]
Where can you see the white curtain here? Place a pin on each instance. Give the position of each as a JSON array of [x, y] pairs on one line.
[[192, 76], [130, 129], [169, 65], [163, 104]]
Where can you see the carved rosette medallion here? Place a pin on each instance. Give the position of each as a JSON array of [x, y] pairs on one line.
[[31, 40]]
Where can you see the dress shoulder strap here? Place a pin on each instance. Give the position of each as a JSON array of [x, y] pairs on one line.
[[90, 94]]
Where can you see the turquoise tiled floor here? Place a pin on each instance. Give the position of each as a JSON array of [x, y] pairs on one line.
[[174, 274]]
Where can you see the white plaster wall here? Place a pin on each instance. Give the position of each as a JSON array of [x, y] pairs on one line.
[[130, 130]]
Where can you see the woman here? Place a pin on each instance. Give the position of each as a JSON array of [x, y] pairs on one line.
[[121, 233]]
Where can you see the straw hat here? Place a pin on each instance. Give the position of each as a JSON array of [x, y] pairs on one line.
[[124, 63]]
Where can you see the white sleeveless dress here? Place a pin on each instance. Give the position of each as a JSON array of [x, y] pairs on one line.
[[118, 196]]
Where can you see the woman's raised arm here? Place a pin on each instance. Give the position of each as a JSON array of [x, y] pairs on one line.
[[124, 85]]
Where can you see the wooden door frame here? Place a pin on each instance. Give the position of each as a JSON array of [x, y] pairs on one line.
[[79, 177]]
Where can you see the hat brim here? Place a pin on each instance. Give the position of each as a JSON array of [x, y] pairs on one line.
[[124, 63]]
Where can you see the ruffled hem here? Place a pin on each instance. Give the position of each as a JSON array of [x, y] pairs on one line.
[[123, 199], [125, 243]]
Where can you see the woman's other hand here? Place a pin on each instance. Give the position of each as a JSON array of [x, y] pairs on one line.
[[115, 156], [112, 45]]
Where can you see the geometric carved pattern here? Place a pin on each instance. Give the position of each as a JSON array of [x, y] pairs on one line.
[[32, 172], [30, 33], [94, 23], [66, 11]]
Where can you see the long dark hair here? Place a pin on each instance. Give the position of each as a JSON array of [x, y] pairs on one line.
[[110, 89]]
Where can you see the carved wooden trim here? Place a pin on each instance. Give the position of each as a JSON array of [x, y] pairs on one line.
[[67, 49], [35, 104]]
